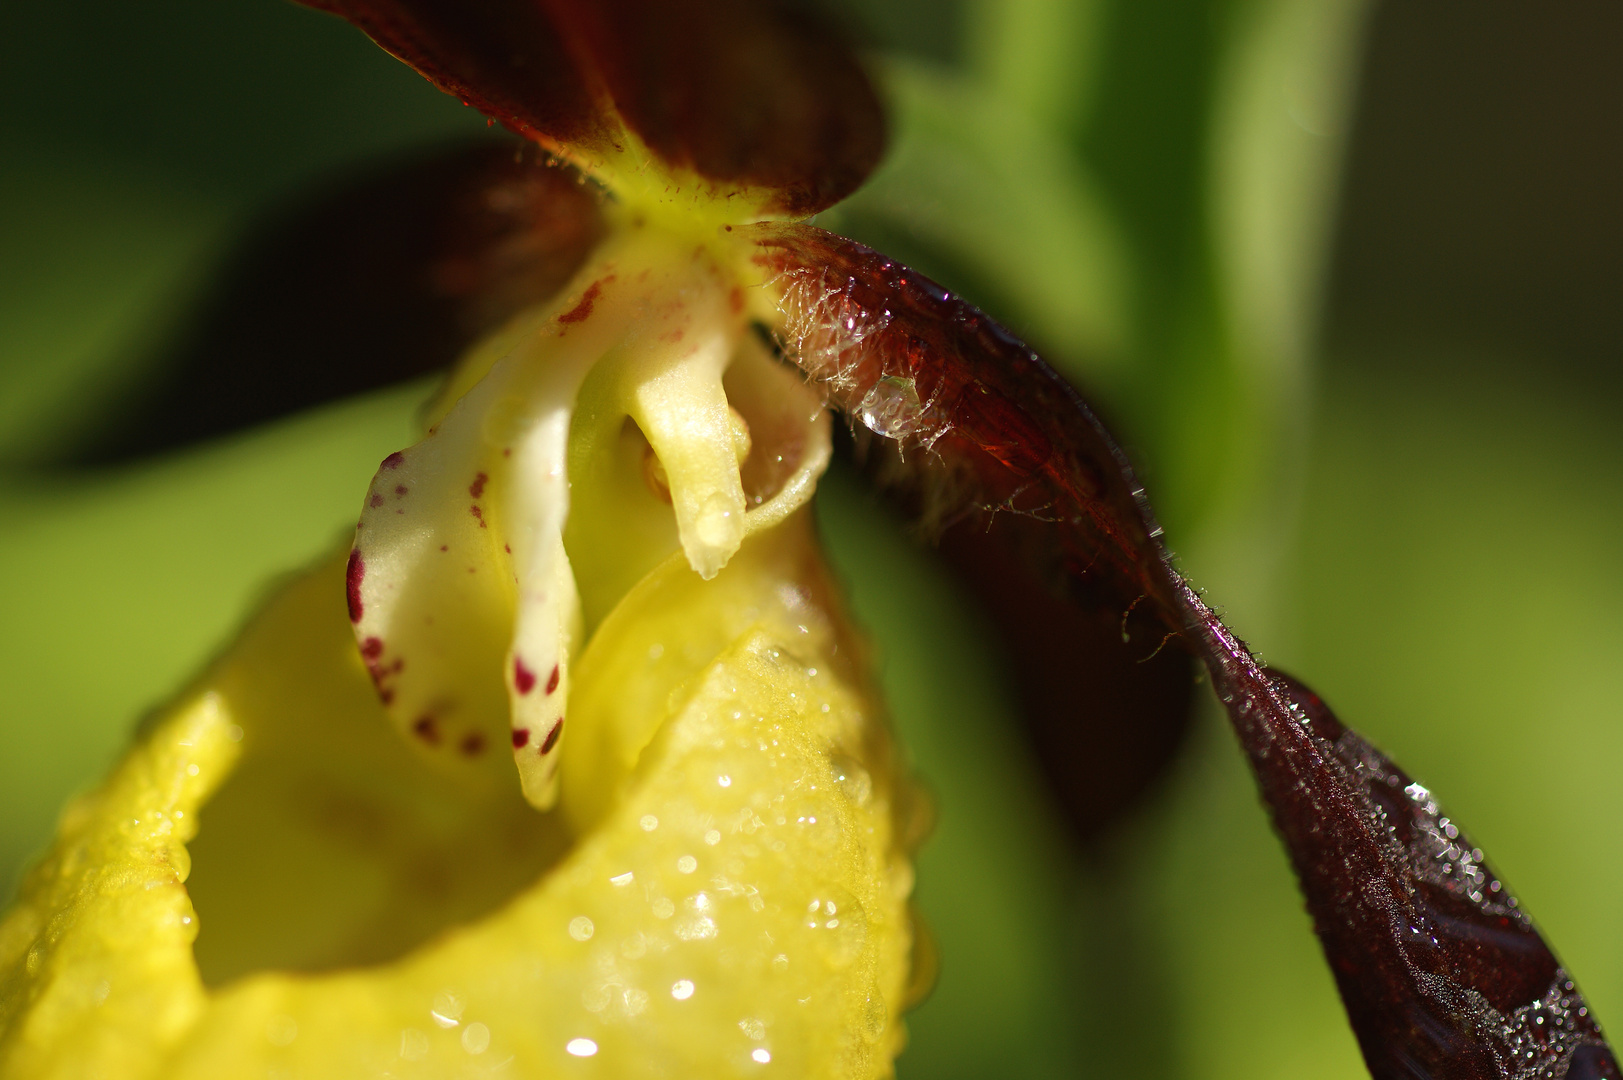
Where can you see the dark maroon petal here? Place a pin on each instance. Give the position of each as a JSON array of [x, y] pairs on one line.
[[1032, 503], [748, 94], [385, 278], [1442, 974]]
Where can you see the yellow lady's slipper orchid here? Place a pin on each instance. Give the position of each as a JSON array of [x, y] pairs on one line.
[[605, 523], [598, 559]]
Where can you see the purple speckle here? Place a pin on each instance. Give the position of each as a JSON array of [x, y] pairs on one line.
[[523, 677], [354, 574]]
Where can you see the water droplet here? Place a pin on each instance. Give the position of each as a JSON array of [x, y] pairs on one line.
[[852, 779], [281, 1030], [476, 1038], [874, 1016], [649, 823], [581, 928], [695, 928], [687, 864], [724, 780], [890, 407], [752, 1027], [839, 925], [713, 837], [581, 1047], [413, 1044], [447, 1010], [761, 1054], [682, 989], [664, 908]]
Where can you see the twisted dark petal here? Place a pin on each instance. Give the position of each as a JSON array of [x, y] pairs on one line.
[[1033, 504], [1443, 975], [749, 94], [382, 279]]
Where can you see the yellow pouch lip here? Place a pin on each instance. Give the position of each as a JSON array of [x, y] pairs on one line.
[[54, 1024]]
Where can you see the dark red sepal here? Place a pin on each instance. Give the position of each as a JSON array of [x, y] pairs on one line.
[[1442, 974], [747, 94], [387, 276]]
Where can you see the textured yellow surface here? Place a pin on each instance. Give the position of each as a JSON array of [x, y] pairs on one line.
[[737, 906]]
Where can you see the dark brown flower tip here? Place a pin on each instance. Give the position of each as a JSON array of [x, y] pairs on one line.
[[1442, 973], [761, 102]]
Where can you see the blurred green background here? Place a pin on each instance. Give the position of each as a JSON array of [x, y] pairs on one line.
[[1345, 278]]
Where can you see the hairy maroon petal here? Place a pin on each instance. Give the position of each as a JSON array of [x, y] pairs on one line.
[[1443, 975], [981, 424], [384, 278], [1031, 501], [748, 94]]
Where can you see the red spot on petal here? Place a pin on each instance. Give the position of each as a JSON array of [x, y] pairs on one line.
[[508, 548], [427, 730], [372, 648], [354, 573], [552, 736], [394, 460], [445, 547], [386, 696], [520, 737], [735, 299], [472, 744], [507, 451], [477, 488], [478, 513], [523, 677], [552, 680], [400, 489], [583, 310], [375, 501]]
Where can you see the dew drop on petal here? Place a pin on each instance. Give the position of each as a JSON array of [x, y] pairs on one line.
[[413, 1044]]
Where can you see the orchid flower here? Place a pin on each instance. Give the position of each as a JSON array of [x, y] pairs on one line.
[[591, 606]]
